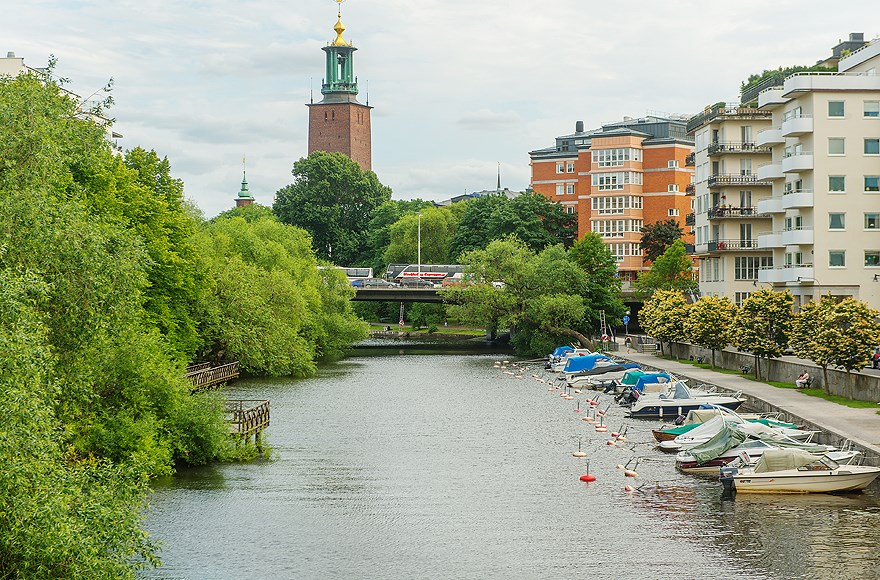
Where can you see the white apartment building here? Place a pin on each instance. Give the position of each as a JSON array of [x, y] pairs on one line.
[[824, 167], [727, 188], [13, 66]]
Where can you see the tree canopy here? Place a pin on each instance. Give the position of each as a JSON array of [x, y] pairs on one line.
[[333, 199], [762, 324], [657, 237], [708, 323], [438, 226], [671, 271], [665, 315]]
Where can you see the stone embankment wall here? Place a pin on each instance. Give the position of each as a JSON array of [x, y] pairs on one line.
[[853, 385]]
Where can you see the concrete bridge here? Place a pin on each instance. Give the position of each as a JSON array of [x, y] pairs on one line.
[[398, 294]]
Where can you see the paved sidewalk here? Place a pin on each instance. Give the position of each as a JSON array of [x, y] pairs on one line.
[[861, 426]]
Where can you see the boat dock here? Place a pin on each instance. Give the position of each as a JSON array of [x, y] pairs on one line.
[[205, 375], [837, 424]]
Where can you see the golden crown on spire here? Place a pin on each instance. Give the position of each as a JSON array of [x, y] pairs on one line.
[[340, 27]]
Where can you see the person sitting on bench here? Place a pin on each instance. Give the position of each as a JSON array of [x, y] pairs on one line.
[[803, 380]]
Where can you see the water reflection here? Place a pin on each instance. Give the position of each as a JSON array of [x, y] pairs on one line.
[[424, 465]]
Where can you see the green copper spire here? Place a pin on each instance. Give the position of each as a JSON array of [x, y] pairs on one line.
[[244, 194], [340, 77]]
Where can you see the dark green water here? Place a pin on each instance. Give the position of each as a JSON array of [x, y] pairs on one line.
[[416, 462]]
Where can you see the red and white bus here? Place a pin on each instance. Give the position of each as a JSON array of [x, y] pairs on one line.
[[420, 274]]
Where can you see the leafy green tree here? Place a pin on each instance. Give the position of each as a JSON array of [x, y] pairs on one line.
[[379, 229], [474, 231], [671, 271], [708, 323], [832, 333], [333, 199], [762, 325], [438, 225], [272, 309], [538, 296], [535, 220], [664, 316], [603, 286], [658, 236]]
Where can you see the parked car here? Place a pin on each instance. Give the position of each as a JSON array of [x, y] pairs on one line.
[[378, 283], [416, 283], [357, 283]]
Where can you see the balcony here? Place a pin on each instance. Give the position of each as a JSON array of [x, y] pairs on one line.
[[797, 126], [724, 179], [797, 237], [789, 273], [722, 147], [770, 241], [770, 137], [797, 198], [690, 189], [770, 171], [830, 81], [690, 219], [732, 245], [770, 206], [734, 213], [726, 110], [691, 158], [795, 163], [771, 98]]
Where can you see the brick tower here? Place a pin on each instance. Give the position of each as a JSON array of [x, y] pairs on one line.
[[339, 122]]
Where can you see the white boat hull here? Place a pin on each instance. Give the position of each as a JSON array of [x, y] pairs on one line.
[[847, 478]]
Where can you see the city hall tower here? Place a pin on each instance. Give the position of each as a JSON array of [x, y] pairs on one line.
[[339, 122]]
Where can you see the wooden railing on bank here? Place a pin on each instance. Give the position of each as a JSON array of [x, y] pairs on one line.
[[247, 417], [203, 375]]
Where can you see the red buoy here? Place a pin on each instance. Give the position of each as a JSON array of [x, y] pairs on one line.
[[628, 488], [588, 477]]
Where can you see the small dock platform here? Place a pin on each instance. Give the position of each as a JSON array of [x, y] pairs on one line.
[[247, 417], [205, 375]]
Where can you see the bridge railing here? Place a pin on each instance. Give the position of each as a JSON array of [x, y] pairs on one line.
[[208, 377], [247, 417]]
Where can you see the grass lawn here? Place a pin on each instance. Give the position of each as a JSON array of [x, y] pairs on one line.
[[853, 403], [469, 331]]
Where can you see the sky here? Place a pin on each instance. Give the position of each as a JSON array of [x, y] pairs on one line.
[[457, 86]]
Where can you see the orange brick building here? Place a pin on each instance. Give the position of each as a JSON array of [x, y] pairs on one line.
[[618, 179], [339, 123]]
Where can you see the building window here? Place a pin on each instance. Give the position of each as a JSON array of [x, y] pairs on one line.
[[872, 146], [740, 297], [560, 167], [837, 183], [872, 221], [569, 209], [836, 146], [835, 108], [615, 157], [672, 164], [609, 205], [872, 183], [560, 189], [872, 109], [616, 180], [569, 188], [837, 258], [569, 167], [872, 258], [673, 212], [836, 221], [615, 228], [746, 268], [672, 187]]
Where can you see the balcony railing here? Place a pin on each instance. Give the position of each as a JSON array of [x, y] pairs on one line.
[[691, 159], [690, 188], [736, 179], [750, 93], [721, 147], [735, 212], [690, 219], [726, 110], [732, 245]]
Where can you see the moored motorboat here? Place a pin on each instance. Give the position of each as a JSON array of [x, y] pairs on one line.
[[796, 471], [706, 459], [679, 400]]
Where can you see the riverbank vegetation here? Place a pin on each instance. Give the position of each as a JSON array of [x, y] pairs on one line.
[[111, 283]]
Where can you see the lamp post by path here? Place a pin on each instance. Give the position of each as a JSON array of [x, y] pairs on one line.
[[420, 248]]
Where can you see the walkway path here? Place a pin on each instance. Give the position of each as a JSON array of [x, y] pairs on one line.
[[861, 426]]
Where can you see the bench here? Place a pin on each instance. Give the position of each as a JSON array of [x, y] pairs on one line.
[[807, 384], [746, 369]]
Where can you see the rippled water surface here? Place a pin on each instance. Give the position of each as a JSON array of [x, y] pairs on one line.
[[409, 463]]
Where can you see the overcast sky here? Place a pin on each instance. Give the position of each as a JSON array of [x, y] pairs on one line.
[[457, 85]]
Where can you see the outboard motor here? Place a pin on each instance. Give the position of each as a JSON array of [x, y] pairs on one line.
[[679, 420], [729, 485]]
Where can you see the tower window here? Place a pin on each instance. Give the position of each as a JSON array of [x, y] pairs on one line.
[[325, 115], [332, 115]]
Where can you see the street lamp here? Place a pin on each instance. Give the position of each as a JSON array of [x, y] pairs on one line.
[[420, 248]]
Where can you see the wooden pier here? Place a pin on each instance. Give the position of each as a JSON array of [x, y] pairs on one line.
[[247, 417], [203, 375]]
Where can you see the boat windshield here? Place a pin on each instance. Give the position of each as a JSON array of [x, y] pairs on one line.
[[824, 463], [681, 391]]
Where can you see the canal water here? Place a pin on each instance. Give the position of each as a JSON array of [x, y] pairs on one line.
[[416, 462]]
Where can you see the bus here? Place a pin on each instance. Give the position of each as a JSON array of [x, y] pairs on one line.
[[416, 274]]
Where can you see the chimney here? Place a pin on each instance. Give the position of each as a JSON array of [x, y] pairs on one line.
[[579, 127], [10, 54], [857, 36]]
